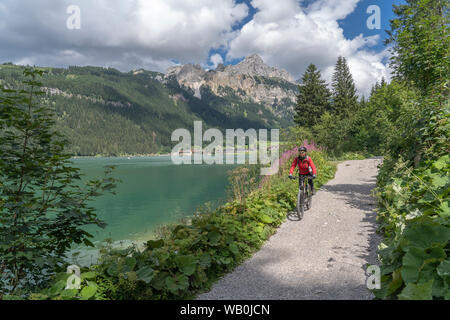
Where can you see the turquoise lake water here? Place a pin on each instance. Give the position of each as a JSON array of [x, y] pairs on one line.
[[153, 192]]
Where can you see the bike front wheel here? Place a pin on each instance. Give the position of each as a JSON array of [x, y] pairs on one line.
[[309, 198], [300, 205]]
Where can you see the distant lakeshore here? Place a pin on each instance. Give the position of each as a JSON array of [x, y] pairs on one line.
[[124, 155], [155, 155]]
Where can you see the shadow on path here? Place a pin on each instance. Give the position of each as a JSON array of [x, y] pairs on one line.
[[357, 196], [335, 270]]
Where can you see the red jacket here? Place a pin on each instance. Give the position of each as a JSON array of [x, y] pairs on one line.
[[303, 165]]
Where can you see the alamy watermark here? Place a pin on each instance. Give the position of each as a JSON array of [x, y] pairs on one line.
[[374, 279], [74, 20], [374, 21], [258, 147], [74, 280]]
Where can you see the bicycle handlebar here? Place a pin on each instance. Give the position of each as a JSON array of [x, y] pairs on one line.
[[304, 175]]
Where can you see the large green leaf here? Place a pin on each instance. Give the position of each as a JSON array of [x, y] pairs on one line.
[[145, 274], [214, 237], [425, 234], [89, 291], [417, 291], [415, 259], [176, 283], [89, 275], [445, 209], [438, 180], [129, 264], [186, 264], [159, 280], [442, 162]]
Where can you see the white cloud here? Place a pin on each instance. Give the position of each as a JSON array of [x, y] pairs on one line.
[[294, 37], [216, 59], [134, 33], [152, 34]]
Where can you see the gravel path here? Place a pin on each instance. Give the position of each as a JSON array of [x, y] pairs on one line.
[[323, 255]]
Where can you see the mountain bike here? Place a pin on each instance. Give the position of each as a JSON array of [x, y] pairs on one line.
[[304, 197]]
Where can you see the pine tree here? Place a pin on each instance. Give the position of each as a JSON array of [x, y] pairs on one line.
[[344, 91], [313, 98]]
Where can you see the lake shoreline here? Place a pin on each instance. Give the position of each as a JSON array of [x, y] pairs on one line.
[[123, 156], [152, 155]]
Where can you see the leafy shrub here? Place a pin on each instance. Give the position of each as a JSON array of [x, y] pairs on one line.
[[191, 256], [414, 215], [43, 209]]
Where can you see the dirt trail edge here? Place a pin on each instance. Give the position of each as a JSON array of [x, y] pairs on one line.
[[323, 255]]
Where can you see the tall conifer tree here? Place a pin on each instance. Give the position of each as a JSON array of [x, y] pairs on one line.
[[344, 91], [313, 98]]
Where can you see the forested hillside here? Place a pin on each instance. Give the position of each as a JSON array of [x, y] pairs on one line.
[[107, 112]]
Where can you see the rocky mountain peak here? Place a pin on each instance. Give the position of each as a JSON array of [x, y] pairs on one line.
[[253, 59], [188, 73], [254, 65], [251, 80]]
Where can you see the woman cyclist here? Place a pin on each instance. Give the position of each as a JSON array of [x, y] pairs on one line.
[[305, 167]]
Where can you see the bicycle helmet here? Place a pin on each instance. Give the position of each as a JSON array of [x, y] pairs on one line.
[[302, 149]]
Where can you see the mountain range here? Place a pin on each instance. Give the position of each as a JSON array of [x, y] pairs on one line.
[[107, 112]]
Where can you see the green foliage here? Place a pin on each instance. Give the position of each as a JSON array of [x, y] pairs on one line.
[[413, 185], [332, 132], [43, 209], [191, 256], [414, 215], [313, 98], [243, 180], [92, 287], [420, 38], [294, 136]]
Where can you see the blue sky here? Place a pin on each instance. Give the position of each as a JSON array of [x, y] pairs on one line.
[[353, 25], [156, 34]]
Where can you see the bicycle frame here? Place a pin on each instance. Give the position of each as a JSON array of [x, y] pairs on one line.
[[303, 194]]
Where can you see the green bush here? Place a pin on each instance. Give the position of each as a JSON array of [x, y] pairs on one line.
[[43, 208], [414, 216], [191, 256]]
